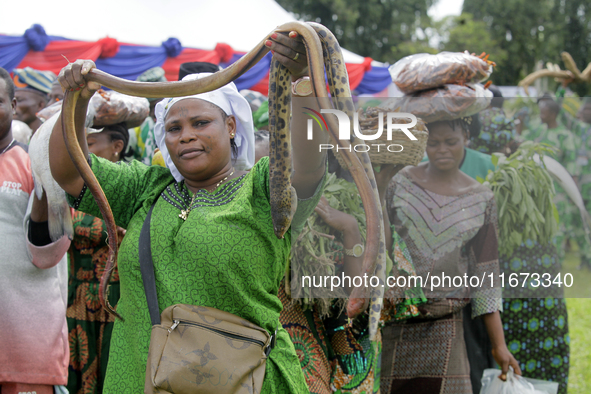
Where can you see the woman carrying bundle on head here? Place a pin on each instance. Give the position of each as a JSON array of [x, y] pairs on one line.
[[210, 236], [448, 222]]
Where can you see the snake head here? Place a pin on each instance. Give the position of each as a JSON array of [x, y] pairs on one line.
[[280, 231], [283, 211], [358, 302]]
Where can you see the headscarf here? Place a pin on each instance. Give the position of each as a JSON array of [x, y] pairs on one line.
[[196, 68], [255, 99], [154, 74], [232, 103], [33, 80]]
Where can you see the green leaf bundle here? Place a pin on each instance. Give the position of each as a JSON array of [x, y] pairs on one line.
[[312, 254], [524, 192]]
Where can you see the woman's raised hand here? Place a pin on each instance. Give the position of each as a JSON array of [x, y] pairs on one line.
[[290, 51], [72, 78]]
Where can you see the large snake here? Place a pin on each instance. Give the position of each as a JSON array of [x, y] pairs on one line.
[[283, 196]]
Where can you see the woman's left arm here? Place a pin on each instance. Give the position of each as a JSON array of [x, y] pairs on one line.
[[309, 163], [486, 302], [500, 352]]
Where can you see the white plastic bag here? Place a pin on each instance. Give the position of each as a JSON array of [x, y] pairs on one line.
[[112, 107], [515, 384], [544, 386]]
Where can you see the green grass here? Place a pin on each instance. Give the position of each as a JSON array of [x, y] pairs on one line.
[[579, 320], [581, 278]]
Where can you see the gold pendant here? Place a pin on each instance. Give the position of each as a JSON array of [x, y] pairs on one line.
[[183, 214]]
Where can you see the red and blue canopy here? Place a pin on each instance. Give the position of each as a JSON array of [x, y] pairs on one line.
[[40, 51]]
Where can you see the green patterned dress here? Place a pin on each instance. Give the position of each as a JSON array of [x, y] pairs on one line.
[[536, 326], [225, 256], [497, 131]]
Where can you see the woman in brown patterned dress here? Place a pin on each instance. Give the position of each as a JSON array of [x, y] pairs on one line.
[[89, 325], [448, 222]]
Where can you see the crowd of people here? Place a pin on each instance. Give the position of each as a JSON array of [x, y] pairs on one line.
[[206, 205]]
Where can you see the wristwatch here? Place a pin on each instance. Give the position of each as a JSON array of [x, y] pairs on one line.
[[302, 87], [356, 251]]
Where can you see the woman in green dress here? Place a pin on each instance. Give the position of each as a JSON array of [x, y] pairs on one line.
[[225, 254]]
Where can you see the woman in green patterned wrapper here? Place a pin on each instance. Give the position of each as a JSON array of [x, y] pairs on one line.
[[535, 325], [213, 242], [89, 325]]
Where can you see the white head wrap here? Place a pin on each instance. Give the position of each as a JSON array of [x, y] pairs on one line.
[[232, 103]]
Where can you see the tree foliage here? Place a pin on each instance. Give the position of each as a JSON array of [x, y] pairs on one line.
[[374, 28], [463, 33], [530, 32], [518, 34]]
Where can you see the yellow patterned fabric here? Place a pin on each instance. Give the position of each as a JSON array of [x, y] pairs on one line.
[[89, 325]]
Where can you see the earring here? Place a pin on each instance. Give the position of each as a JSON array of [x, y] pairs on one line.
[[232, 135], [116, 153]]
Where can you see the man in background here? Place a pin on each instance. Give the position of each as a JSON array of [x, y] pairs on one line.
[[34, 353], [32, 88], [581, 128]]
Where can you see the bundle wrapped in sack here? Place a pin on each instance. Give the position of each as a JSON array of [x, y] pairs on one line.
[[444, 103], [107, 108], [49, 111], [111, 107], [424, 71]]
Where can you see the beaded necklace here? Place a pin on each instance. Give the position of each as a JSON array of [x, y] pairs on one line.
[[185, 212]]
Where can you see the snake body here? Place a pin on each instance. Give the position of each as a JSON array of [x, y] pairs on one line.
[[341, 93], [282, 194]]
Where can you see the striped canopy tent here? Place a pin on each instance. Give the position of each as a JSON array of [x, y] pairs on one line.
[[127, 38]]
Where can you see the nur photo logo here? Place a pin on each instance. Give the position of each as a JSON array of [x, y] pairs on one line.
[[345, 129]]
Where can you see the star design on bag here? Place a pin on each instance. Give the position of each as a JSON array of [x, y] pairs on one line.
[[200, 376], [205, 354]]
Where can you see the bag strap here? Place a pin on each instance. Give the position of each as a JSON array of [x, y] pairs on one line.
[[147, 269]]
